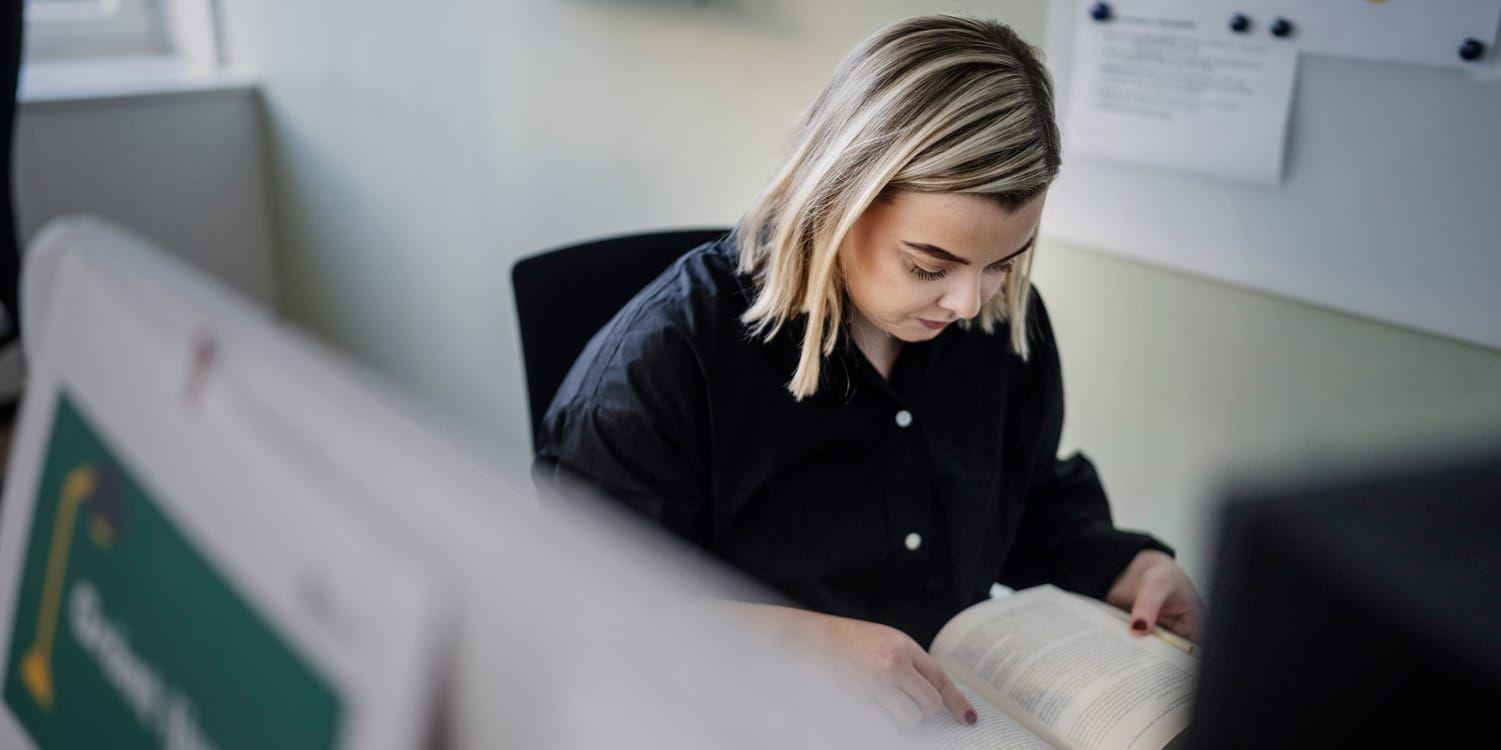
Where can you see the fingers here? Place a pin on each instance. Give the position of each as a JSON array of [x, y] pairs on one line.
[[1190, 626], [920, 691], [1189, 622], [953, 698], [905, 680], [1148, 604], [900, 705]]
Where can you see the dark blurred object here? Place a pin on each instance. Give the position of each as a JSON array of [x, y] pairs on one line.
[[10, 253], [564, 296], [1471, 50], [1360, 612], [11, 371]]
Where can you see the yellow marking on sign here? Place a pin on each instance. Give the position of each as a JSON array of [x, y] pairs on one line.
[[36, 664]]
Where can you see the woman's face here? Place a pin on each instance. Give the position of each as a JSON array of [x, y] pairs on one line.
[[918, 262]]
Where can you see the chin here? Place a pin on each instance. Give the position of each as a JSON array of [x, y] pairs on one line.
[[919, 335]]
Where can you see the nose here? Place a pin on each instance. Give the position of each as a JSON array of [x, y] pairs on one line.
[[964, 297]]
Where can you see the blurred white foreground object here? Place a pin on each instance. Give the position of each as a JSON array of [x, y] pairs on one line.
[[206, 511]]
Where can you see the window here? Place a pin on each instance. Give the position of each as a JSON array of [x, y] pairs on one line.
[[84, 48], [96, 30]]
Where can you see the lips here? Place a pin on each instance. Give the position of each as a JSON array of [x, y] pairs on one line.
[[934, 325]]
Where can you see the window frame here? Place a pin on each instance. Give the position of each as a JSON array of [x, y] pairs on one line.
[[80, 47]]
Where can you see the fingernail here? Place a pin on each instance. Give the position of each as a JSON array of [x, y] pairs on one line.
[[1139, 625], [969, 717]]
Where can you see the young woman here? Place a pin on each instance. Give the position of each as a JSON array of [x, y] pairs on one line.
[[855, 397]]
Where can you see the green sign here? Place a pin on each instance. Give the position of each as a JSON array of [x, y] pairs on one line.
[[126, 637]]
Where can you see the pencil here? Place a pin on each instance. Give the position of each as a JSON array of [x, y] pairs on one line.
[[1176, 641]]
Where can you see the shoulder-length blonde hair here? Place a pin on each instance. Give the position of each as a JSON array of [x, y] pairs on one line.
[[934, 104]]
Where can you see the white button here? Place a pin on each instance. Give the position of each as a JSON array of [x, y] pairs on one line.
[[913, 540], [904, 418]]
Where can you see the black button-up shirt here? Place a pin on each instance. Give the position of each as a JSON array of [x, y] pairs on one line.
[[897, 501]]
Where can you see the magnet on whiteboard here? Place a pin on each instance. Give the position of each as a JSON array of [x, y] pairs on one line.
[[1471, 50], [1240, 23], [1282, 28], [1100, 12]]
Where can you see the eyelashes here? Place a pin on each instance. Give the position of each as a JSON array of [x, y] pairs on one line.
[[926, 275]]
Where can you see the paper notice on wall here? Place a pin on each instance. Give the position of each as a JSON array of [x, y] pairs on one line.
[[1161, 92]]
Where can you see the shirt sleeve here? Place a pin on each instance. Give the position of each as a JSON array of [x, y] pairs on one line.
[[627, 425], [1066, 536]]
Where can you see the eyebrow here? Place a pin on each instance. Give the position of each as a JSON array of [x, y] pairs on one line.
[[939, 253]]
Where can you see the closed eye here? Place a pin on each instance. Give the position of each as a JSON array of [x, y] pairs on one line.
[[925, 274]]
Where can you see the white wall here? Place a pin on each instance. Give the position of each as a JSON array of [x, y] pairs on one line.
[[1176, 385], [420, 148]]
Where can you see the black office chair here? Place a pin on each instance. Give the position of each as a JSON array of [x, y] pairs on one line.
[[564, 296]]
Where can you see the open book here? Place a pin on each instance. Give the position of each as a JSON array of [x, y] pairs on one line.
[[1045, 668]]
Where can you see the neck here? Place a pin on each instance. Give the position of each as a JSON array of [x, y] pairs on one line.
[[877, 345]]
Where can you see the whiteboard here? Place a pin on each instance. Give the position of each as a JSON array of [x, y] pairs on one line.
[[1390, 206]]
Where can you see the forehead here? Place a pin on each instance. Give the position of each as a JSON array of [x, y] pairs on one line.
[[971, 226]]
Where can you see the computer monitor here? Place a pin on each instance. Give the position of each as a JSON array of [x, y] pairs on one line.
[[1358, 612]]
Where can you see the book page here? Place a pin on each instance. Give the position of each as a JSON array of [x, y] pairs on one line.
[[1070, 672], [993, 731]]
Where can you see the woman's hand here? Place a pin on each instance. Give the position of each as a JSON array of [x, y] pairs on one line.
[[883, 661], [1157, 592]]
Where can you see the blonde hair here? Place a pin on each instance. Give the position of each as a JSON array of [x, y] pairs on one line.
[[932, 104]]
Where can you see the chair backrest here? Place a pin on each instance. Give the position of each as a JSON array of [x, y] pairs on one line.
[[564, 296]]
